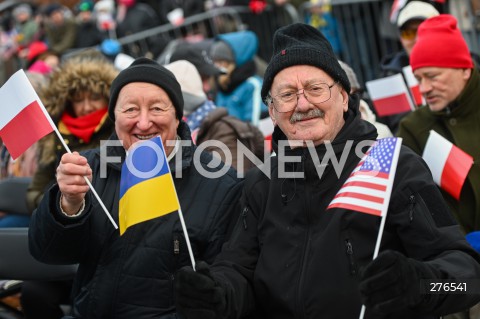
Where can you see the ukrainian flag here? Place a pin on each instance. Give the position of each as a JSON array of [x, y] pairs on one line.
[[146, 186]]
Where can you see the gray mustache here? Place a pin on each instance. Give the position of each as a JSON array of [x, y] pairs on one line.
[[297, 116]]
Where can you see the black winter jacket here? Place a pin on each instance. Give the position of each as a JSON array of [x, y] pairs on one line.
[[132, 276], [289, 257]]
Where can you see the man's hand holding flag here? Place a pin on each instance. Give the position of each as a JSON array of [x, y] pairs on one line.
[[24, 120]]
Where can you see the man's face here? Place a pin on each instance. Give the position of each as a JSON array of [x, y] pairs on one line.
[[143, 111], [57, 18], [306, 121], [441, 86], [408, 35]]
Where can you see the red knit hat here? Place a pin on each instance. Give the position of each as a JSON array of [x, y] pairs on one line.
[[35, 49], [440, 44]]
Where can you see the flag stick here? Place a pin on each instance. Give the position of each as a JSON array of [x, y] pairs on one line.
[[85, 177], [180, 213], [387, 201], [190, 252], [375, 252]]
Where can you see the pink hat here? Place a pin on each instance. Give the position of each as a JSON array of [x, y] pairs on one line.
[[440, 44]]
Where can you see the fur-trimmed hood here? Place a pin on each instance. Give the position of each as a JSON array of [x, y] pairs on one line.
[[85, 72]]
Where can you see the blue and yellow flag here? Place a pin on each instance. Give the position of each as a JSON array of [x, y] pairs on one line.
[[146, 186]]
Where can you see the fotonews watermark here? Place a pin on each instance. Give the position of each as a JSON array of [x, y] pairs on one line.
[[223, 158]]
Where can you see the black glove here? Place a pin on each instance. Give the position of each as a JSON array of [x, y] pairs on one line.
[[391, 283], [198, 295]]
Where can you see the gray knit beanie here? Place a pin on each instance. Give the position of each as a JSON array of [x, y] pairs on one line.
[[146, 70], [302, 44]]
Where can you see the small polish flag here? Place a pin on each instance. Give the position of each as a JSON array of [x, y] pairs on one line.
[[395, 10], [266, 127], [448, 163], [413, 85], [23, 119], [390, 95]]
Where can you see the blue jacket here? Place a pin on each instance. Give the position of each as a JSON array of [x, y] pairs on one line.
[[242, 99]]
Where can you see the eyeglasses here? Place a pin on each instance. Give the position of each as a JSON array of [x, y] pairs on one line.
[[408, 34], [316, 93]]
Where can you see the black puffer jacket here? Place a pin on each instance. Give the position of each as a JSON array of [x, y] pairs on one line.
[[132, 276], [289, 257]]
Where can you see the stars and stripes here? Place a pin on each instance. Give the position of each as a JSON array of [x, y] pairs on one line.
[[368, 188], [195, 119]]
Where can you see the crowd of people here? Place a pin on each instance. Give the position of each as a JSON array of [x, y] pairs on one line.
[[262, 240]]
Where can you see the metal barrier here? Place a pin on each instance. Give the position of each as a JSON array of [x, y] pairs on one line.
[[204, 25], [363, 34], [217, 21], [366, 35]]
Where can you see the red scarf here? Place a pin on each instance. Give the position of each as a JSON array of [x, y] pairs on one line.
[[83, 127]]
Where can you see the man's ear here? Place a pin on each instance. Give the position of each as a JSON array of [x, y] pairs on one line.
[[467, 73], [345, 98]]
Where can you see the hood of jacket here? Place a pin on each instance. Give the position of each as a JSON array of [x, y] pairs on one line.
[[244, 45], [85, 72]]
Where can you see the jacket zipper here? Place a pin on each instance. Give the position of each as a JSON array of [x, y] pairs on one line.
[[244, 217], [176, 256], [412, 200], [176, 245], [351, 259], [176, 250]]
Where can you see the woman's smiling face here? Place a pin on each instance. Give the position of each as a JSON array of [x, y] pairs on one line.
[[143, 111]]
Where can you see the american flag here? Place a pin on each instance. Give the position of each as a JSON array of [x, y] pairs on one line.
[[368, 188], [195, 119]]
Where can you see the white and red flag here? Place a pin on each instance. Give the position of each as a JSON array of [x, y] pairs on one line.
[[413, 85], [369, 186], [390, 95], [23, 118], [266, 127], [448, 163], [395, 10]]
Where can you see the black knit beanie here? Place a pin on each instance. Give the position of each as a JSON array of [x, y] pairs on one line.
[[302, 44], [146, 70]]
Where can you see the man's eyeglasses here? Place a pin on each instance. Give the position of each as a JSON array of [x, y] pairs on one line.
[[408, 34], [316, 93]]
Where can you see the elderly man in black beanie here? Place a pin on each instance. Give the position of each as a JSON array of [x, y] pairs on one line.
[[131, 276], [288, 257]]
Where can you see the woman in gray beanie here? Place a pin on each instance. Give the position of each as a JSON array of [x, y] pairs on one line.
[[293, 256], [131, 276]]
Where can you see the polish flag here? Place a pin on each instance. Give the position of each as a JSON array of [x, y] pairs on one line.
[[23, 119], [390, 95], [266, 127], [395, 10], [413, 85], [448, 163]]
